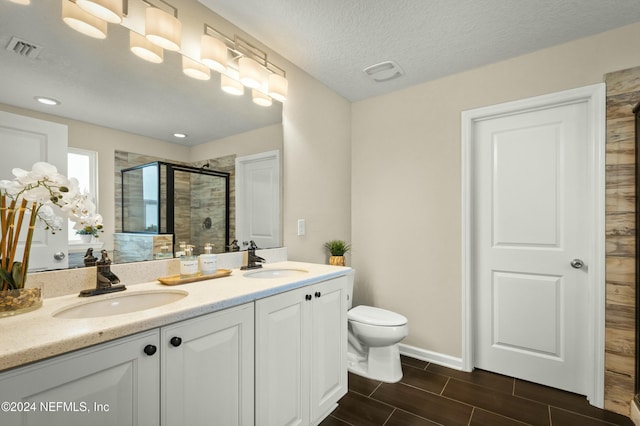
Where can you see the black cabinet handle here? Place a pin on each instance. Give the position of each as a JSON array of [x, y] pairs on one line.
[[318, 294], [150, 349], [175, 341], [307, 297]]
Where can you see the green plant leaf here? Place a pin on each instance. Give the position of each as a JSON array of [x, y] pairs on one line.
[[8, 278], [337, 247], [5, 276], [16, 273]]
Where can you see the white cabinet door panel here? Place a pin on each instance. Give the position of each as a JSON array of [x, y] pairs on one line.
[[208, 377], [113, 384]]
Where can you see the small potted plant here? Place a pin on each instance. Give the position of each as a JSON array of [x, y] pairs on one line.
[[337, 249], [89, 231]]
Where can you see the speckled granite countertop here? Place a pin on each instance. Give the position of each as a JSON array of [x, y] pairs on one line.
[[38, 335]]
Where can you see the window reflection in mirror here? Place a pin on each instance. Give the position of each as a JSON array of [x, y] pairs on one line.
[[82, 164]]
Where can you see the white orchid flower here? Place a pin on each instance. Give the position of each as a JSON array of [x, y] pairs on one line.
[[51, 196], [46, 187], [11, 187], [38, 194], [97, 220]]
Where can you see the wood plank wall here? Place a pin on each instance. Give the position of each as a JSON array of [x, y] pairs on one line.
[[623, 93]]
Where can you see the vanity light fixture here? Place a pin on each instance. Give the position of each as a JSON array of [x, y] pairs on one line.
[[213, 50], [82, 21], [230, 83], [257, 73], [251, 74], [260, 98], [163, 28], [278, 87], [107, 10], [143, 48], [195, 69], [239, 63], [47, 101]]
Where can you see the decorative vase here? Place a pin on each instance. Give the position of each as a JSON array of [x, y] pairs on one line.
[[86, 238], [19, 301], [336, 260]]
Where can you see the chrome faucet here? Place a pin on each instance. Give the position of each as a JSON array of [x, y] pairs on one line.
[[253, 261], [105, 279]]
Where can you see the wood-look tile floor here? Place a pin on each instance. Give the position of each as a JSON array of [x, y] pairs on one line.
[[429, 394]]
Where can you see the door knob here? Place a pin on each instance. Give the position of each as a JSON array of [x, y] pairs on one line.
[[59, 255], [577, 263]]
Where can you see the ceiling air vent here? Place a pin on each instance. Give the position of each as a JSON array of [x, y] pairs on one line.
[[24, 48], [384, 71]]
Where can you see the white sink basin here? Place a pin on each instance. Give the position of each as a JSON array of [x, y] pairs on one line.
[[275, 273], [121, 304]]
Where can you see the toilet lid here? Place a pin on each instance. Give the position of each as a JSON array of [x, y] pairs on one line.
[[376, 316]]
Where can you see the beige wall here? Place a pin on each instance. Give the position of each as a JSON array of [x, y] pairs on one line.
[[260, 140], [406, 189], [317, 167]]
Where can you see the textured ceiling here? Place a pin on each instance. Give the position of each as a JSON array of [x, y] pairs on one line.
[[334, 40]]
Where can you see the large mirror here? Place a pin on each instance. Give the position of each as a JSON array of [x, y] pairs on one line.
[[102, 83]]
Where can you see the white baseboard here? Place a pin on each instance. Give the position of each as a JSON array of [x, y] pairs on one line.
[[430, 356], [635, 413]]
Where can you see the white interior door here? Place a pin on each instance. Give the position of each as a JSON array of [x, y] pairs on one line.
[[258, 200], [532, 210], [25, 141]]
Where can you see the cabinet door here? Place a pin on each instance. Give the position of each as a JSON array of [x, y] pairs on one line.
[[328, 347], [207, 375], [113, 383], [282, 358]]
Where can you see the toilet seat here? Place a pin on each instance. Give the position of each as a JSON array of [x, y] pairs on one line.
[[376, 316]]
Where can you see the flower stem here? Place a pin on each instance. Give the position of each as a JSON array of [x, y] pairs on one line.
[[16, 238], [27, 246], [3, 230]]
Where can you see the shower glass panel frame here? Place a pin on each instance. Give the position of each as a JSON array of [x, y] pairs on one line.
[[149, 194]]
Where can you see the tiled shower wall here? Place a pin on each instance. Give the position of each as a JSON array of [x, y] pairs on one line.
[[623, 93], [187, 223]]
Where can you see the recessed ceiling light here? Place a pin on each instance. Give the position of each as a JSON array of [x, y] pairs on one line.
[[180, 135], [47, 101]]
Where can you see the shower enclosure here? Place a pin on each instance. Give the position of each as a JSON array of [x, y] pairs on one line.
[[190, 203]]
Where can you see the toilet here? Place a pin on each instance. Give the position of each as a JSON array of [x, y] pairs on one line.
[[374, 334]]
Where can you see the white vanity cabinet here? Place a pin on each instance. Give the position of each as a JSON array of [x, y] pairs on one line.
[[207, 369], [115, 383], [279, 360], [195, 372], [301, 351]]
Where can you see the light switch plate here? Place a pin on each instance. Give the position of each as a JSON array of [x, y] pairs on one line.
[[301, 227]]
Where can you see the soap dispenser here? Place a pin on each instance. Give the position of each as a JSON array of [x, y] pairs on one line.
[[180, 249], [188, 263], [208, 260], [164, 253]]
